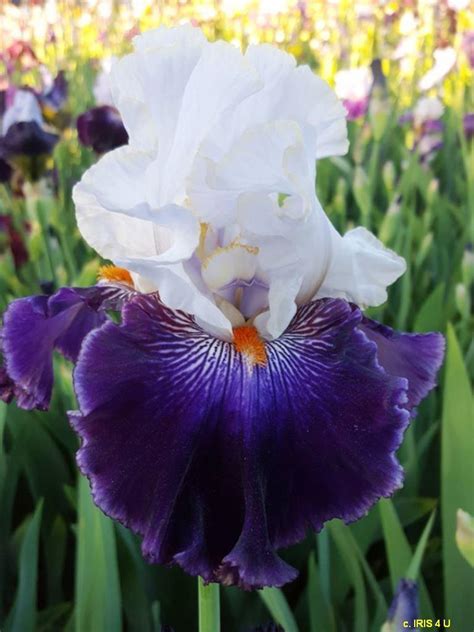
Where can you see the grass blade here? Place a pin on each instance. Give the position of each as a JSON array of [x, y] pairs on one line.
[[457, 475], [399, 553], [276, 603], [98, 601], [23, 615]]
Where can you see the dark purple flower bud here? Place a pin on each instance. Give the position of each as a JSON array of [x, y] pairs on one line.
[[101, 128], [468, 123], [404, 606], [269, 627]]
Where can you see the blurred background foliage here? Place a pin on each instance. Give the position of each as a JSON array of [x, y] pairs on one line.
[[63, 564]]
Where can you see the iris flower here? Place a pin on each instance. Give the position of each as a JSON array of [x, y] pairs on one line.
[[244, 397], [404, 610], [26, 143], [353, 87]]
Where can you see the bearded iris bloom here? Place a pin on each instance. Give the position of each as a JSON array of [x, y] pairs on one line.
[[244, 397], [26, 143]]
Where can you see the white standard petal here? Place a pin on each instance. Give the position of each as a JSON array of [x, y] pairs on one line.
[[220, 80], [116, 221], [309, 99], [445, 59], [269, 158], [129, 98], [361, 268], [283, 288], [24, 108], [353, 84]]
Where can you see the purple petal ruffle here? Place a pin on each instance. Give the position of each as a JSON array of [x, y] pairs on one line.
[[216, 463], [34, 326], [416, 357]]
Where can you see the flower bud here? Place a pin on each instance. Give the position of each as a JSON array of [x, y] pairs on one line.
[[465, 535], [463, 301]]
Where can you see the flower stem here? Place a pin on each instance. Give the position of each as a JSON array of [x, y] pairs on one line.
[[209, 607]]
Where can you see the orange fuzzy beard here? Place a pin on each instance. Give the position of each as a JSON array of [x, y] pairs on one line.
[[248, 342], [113, 274]]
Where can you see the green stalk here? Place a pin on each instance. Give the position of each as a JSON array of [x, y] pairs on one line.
[[209, 607], [43, 222]]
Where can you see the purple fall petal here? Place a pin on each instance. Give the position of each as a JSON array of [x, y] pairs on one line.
[[217, 463], [27, 139], [356, 108], [36, 325], [102, 129], [56, 96], [417, 357]]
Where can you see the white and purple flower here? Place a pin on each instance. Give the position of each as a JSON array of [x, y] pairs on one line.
[[25, 141], [244, 397], [353, 87]]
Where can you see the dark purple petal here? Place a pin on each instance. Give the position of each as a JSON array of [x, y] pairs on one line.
[[417, 357], [7, 386], [36, 325], [102, 129], [3, 102], [5, 171], [56, 96], [404, 606], [217, 463], [28, 139], [268, 627]]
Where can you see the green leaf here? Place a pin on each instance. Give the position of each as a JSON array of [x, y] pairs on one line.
[[415, 564], [430, 316], [23, 615], [352, 563], [457, 463], [399, 553], [98, 602], [276, 603], [136, 604], [321, 615]]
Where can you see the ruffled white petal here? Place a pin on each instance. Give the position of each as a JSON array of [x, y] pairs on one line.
[[213, 202], [24, 108], [361, 268]]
